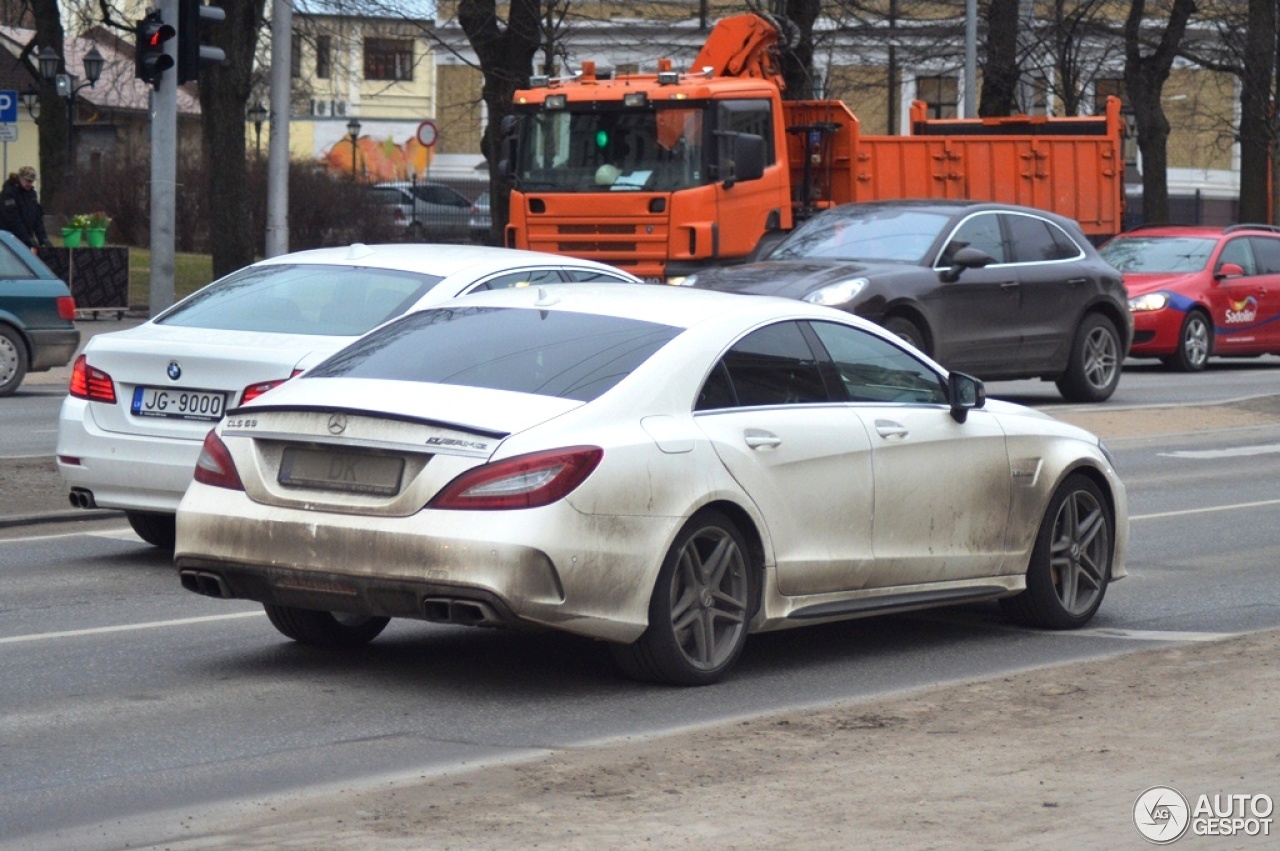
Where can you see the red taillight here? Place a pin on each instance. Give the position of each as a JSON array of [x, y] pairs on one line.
[[215, 467], [526, 481], [92, 384], [66, 307], [253, 391]]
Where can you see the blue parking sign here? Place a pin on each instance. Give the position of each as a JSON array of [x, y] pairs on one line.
[[8, 107]]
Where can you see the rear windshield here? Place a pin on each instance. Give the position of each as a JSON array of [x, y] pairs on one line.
[[341, 301], [548, 353], [1157, 254]]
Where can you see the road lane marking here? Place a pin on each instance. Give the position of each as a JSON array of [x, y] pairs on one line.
[[1234, 452], [1204, 509], [78, 633], [1151, 634]]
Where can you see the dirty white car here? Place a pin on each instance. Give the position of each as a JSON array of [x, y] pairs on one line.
[[667, 470], [141, 401]]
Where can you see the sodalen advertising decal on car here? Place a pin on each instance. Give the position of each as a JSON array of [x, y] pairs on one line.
[[1163, 815]]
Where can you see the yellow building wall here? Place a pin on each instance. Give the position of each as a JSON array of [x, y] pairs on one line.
[[1201, 108]]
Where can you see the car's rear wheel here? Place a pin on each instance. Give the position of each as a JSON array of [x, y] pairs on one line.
[[1094, 368], [1071, 562], [325, 629], [158, 530], [13, 360], [1195, 341], [902, 327], [701, 608]]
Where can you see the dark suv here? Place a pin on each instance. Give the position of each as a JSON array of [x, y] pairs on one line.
[[995, 290]]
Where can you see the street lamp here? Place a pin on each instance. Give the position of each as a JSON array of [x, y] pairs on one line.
[[31, 100], [258, 114], [67, 89], [353, 132]]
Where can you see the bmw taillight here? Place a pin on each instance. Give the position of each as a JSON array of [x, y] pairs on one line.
[[90, 383], [66, 307], [215, 467], [253, 391], [526, 481]]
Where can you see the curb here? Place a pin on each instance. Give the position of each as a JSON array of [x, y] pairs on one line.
[[73, 516]]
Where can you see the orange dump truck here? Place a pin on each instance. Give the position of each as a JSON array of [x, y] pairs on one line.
[[661, 174]]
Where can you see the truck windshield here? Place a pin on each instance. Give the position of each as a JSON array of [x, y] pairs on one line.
[[624, 150]]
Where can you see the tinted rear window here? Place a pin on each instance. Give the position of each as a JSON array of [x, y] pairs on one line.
[[548, 353], [343, 301]]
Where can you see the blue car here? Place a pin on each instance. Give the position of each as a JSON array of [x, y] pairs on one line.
[[37, 316]]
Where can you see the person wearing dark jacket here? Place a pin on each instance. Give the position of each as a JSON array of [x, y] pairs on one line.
[[20, 211]]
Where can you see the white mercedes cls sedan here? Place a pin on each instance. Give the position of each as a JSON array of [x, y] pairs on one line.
[[663, 469], [142, 400]]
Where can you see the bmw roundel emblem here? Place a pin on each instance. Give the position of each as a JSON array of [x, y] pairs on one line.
[[174, 371]]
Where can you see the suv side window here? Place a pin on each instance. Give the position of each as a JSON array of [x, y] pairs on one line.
[[1035, 240], [981, 231], [875, 370], [1266, 252], [1239, 252], [771, 366]]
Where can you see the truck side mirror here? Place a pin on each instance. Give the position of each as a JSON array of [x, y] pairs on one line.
[[747, 151]]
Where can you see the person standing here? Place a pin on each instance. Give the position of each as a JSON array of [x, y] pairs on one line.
[[20, 211]]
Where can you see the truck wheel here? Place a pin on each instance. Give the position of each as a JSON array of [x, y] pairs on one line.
[[1071, 561], [701, 607], [1195, 341], [1094, 368], [158, 530], [13, 360], [902, 327], [335, 630]]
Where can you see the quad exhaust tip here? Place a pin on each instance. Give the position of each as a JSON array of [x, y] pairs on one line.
[[204, 582], [82, 498], [462, 612]]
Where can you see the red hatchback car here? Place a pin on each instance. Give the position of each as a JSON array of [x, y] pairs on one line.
[[1200, 291]]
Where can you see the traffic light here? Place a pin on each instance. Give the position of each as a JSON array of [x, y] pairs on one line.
[[149, 59], [194, 20]]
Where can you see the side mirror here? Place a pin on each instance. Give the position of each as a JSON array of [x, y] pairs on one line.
[[966, 258], [1228, 270], [508, 125], [746, 153], [965, 393]]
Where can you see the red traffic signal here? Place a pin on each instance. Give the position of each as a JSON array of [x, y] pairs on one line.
[[149, 59]]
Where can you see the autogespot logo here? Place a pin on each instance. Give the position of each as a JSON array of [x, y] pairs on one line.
[[1161, 815]]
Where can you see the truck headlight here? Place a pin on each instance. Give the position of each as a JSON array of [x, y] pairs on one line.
[[1148, 302], [835, 294]]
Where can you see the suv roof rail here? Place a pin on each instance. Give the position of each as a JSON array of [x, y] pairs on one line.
[[1246, 226]]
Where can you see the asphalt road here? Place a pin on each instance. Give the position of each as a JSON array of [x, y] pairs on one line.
[[128, 701]]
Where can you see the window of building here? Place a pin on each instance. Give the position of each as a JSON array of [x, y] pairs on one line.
[[324, 49], [388, 59], [942, 94]]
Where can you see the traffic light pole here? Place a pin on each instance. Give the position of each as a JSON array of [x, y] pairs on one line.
[[164, 174]]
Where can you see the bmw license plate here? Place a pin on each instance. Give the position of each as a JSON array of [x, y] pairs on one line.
[[357, 472], [179, 404]]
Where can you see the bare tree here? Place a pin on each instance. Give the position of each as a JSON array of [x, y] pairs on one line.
[[55, 138], [1000, 71], [1147, 64], [1256, 130]]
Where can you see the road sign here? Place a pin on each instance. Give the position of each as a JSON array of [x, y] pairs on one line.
[[428, 133], [8, 107], [8, 132]]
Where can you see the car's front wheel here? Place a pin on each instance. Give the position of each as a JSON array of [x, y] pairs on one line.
[[1195, 341], [158, 530], [334, 630], [13, 360], [1094, 368], [701, 608], [1071, 562]]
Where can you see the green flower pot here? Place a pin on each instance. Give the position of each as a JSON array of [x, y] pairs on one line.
[[96, 237], [71, 237]]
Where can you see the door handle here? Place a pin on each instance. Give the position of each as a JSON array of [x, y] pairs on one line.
[[760, 439], [1008, 285], [890, 429], [1075, 282]]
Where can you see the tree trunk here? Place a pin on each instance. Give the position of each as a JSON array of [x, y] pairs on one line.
[[1000, 72], [506, 57], [1144, 79], [797, 60], [224, 91], [55, 164], [1255, 111]]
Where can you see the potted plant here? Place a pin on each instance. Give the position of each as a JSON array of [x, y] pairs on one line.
[[96, 230], [75, 227]]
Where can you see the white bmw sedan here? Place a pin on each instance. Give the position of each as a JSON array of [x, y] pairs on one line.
[[664, 469], [142, 400]]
